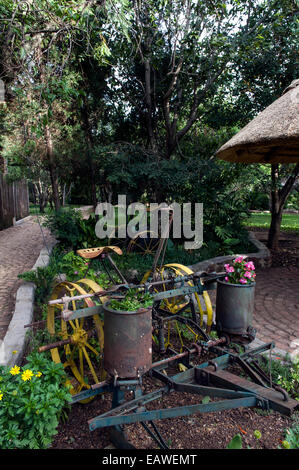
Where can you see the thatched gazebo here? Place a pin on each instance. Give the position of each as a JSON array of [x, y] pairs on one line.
[[271, 137]]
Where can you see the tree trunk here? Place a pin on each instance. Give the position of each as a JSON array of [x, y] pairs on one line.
[[149, 109], [276, 211], [52, 167], [89, 139], [278, 200]]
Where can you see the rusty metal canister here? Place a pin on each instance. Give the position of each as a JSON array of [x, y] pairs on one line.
[[234, 307], [128, 342]]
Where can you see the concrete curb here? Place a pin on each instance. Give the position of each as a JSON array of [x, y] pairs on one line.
[[13, 345], [262, 257], [274, 352]]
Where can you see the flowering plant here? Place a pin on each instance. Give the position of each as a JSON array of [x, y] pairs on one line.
[[240, 272], [32, 400]]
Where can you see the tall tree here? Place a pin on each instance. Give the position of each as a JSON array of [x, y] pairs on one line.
[[179, 58], [38, 45]]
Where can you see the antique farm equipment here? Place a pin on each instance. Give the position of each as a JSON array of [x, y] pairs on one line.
[[127, 363], [180, 302], [234, 310], [209, 378], [79, 342], [128, 353], [74, 347], [192, 303]]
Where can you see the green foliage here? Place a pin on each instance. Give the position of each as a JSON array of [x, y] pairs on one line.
[[284, 373], [43, 278], [75, 268], [70, 264], [289, 380], [65, 226], [292, 437], [33, 399], [235, 443], [133, 300], [71, 230], [293, 201], [258, 201]]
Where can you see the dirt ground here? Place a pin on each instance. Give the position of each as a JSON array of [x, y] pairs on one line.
[[200, 431]]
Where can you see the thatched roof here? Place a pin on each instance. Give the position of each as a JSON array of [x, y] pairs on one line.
[[271, 137]]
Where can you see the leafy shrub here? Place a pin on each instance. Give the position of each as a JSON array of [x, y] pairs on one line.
[[292, 436], [43, 278], [284, 373], [258, 200], [134, 299], [75, 268], [65, 226], [72, 265], [71, 230], [32, 400]]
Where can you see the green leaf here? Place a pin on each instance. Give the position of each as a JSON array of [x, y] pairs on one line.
[[205, 400], [235, 443]]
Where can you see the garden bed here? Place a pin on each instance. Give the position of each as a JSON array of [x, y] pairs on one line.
[[200, 431]]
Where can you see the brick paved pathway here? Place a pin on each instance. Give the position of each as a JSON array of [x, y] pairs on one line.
[[276, 315], [276, 310], [19, 249]]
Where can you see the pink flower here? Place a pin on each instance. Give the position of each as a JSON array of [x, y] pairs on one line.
[[239, 259], [247, 274], [243, 281], [229, 269], [250, 266], [226, 279], [76, 272]]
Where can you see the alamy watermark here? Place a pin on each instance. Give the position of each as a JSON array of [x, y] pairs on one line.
[[182, 221], [2, 91]]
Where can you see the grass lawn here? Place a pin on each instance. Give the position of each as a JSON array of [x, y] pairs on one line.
[[290, 222], [34, 208]]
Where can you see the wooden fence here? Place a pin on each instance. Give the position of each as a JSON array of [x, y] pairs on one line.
[[14, 201]]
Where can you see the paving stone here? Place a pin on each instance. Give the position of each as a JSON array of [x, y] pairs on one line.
[[20, 246]]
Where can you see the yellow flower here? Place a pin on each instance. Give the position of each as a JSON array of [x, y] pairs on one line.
[[15, 352], [15, 370], [27, 374], [1, 395], [38, 374]]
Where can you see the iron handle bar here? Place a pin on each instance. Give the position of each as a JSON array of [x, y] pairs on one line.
[[100, 421], [170, 387], [204, 279], [63, 342]]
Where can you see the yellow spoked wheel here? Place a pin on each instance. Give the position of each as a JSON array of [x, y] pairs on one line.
[[145, 243], [188, 307], [83, 356]]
